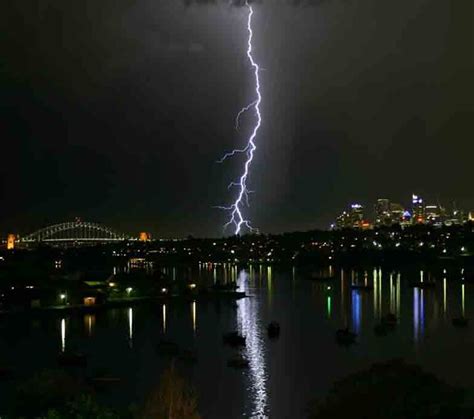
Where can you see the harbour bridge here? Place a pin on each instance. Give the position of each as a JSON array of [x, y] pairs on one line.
[[76, 231]]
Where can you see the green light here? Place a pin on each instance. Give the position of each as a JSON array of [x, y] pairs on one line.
[[329, 306]]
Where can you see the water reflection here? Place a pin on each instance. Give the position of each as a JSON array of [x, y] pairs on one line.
[[418, 314], [130, 327], [356, 311], [249, 325], [89, 323], [269, 286], [377, 301], [394, 304], [63, 335], [164, 318], [343, 306], [193, 316], [329, 306], [398, 296], [444, 296]]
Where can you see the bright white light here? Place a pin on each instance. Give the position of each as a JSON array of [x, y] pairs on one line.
[[63, 335], [236, 209], [250, 326]]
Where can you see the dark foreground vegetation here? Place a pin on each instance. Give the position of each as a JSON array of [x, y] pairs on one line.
[[392, 390], [54, 394], [389, 390]]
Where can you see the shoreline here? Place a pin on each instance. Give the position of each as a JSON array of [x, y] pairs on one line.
[[124, 302]]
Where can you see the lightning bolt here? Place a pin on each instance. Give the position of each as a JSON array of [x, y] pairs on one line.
[[237, 218]]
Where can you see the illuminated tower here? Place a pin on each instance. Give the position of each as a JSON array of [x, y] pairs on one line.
[[145, 237], [11, 241], [418, 209], [382, 212], [356, 215]]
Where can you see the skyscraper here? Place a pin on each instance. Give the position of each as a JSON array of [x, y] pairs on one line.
[[382, 212], [418, 209]]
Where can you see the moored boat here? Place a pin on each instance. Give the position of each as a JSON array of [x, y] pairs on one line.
[[233, 339], [345, 336], [460, 321], [238, 362], [273, 330]]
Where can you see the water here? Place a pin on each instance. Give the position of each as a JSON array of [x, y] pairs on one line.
[[284, 374]]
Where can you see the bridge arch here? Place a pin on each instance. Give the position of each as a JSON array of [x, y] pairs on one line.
[[76, 231]]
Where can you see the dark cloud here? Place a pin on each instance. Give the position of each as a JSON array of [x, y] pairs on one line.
[[241, 3], [117, 110]]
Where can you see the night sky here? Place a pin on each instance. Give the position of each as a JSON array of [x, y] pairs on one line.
[[117, 110]]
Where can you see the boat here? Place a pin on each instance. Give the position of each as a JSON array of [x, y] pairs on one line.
[[238, 362], [166, 347], [72, 359], [225, 287], [233, 339], [273, 330], [460, 321], [345, 336]]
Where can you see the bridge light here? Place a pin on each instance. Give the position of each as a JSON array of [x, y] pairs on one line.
[[11, 241]]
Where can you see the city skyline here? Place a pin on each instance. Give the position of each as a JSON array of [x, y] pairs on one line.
[[385, 212], [382, 212]]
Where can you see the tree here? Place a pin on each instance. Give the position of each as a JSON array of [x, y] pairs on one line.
[[84, 407], [174, 399], [390, 390]]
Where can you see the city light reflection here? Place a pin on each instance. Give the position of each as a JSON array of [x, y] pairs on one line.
[[444, 295], [193, 315], [418, 314], [376, 295], [356, 311], [249, 325], [398, 297], [89, 322], [130, 327], [164, 318], [63, 335]]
